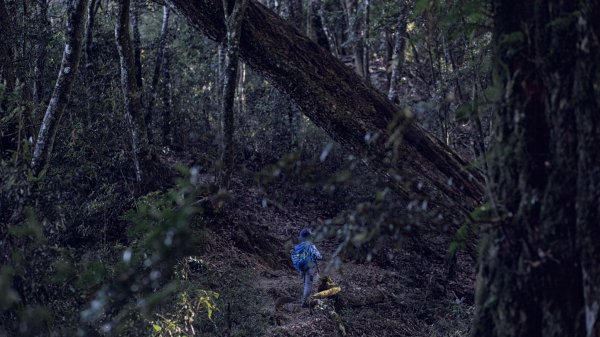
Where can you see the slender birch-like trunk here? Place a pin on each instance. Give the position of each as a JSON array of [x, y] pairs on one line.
[[64, 83]]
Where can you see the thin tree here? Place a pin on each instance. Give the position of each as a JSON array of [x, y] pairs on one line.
[[234, 12], [353, 14], [316, 29], [64, 83], [365, 37], [398, 53], [8, 75], [137, 42], [40, 55], [90, 58], [162, 41], [167, 99], [89, 32], [131, 93], [7, 70]]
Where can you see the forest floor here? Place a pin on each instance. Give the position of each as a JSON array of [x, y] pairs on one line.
[[403, 291]]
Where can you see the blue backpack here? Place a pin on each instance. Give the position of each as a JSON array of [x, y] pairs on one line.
[[302, 256]]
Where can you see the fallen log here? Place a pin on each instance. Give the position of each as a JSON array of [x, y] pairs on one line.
[[353, 113]]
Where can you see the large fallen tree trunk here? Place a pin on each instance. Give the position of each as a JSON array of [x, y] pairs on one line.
[[343, 104]]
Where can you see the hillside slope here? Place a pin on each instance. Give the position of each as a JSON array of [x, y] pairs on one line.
[[402, 291]]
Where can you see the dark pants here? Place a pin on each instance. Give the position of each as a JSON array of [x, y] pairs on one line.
[[308, 277]]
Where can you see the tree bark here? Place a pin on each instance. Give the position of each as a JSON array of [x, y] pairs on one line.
[[6, 48], [89, 73], [316, 30], [295, 14], [335, 99], [41, 54], [539, 273], [365, 38], [355, 39], [62, 90], [131, 92], [8, 77], [89, 32], [167, 100], [588, 171], [234, 12], [137, 43], [157, 65], [398, 53]]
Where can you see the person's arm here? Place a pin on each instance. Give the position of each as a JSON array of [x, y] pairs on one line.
[[316, 253]]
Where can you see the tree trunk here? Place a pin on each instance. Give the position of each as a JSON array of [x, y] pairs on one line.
[[167, 100], [137, 43], [8, 77], [157, 65], [539, 273], [7, 70], [398, 53], [64, 83], [316, 31], [588, 171], [365, 39], [41, 55], [335, 99], [89, 32], [295, 14], [131, 92], [234, 13], [89, 73], [355, 39]]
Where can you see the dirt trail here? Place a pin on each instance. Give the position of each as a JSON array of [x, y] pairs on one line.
[[404, 292]]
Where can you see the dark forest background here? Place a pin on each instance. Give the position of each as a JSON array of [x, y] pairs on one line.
[[158, 159]]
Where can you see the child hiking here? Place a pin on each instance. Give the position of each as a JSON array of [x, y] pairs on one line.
[[304, 258]]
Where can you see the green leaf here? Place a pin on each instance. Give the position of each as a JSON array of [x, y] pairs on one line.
[[156, 327]]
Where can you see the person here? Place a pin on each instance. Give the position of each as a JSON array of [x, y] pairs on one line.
[[305, 256]]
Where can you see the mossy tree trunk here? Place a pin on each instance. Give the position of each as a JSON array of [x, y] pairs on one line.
[[539, 272]]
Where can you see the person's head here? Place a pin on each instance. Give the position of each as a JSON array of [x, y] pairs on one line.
[[305, 234]]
